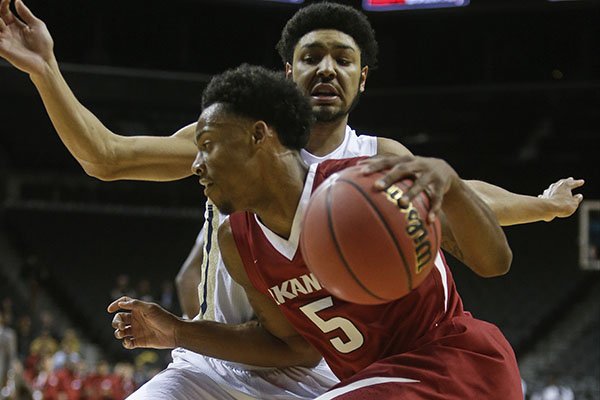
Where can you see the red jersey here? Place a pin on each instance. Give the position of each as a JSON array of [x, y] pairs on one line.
[[349, 336]]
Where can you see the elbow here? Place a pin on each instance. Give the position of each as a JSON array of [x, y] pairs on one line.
[[311, 359], [498, 265], [104, 172]]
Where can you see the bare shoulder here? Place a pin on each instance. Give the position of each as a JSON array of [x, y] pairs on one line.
[[230, 254], [390, 146]]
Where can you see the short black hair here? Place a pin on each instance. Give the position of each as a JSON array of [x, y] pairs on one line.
[[256, 92], [328, 15]]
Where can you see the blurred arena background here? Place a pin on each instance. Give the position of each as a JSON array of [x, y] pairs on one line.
[[506, 91]]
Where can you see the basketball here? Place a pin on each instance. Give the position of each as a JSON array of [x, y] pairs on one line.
[[361, 244]]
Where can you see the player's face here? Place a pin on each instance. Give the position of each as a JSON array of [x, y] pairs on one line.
[[326, 67], [222, 162]]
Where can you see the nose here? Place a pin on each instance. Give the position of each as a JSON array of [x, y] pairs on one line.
[[326, 68], [198, 166]]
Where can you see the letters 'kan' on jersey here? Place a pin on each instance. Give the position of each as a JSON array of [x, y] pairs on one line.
[[348, 335]]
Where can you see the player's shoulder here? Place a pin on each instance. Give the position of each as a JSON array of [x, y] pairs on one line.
[[390, 146]]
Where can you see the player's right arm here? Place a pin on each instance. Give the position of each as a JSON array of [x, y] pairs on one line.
[[269, 342], [188, 278], [103, 154]]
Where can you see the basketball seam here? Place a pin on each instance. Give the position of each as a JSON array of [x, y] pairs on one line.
[[387, 227], [339, 250]]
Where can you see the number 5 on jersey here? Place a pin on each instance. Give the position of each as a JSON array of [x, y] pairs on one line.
[[355, 338]]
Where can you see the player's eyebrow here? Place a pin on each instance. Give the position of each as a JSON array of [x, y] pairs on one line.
[[321, 45], [200, 132]]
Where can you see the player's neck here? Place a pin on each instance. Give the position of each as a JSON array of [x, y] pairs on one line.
[[326, 136], [283, 185]]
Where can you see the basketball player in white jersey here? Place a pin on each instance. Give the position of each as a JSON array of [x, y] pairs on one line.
[[331, 77]]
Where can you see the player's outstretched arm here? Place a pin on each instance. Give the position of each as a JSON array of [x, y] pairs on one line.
[[29, 47], [188, 278], [558, 201], [269, 342], [480, 241]]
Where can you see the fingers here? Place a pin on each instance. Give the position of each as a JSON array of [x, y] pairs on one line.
[[5, 12], [129, 343], [24, 12], [121, 320], [7, 15], [575, 183], [124, 303], [417, 187], [2, 25], [126, 332], [376, 164]]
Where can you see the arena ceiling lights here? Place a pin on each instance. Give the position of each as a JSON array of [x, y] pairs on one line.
[[391, 5]]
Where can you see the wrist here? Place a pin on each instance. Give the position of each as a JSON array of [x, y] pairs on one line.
[[178, 328], [46, 72], [455, 192], [549, 208]]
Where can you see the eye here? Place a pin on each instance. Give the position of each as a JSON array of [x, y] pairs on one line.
[[344, 62], [205, 145], [309, 59]]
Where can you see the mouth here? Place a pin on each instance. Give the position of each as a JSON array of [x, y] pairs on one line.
[[205, 182], [324, 93]]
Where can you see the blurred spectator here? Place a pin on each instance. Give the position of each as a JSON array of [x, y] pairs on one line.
[[125, 372], [102, 384], [147, 364], [24, 336], [7, 310], [553, 391], [8, 351], [43, 345], [122, 288], [46, 323], [145, 291], [69, 349], [167, 296]]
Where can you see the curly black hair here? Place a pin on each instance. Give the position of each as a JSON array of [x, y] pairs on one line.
[[328, 15], [256, 92]]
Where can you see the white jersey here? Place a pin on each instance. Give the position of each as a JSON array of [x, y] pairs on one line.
[[194, 376]]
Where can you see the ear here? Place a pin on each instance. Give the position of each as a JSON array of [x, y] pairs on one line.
[[260, 132], [288, 70], [363, 78]]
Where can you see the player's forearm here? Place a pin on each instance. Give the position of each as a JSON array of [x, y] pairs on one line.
[[88, 140], [511, 208], [247, 343], [476, 232]]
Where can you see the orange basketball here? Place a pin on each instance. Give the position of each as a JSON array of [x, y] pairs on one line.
[[361, 245]]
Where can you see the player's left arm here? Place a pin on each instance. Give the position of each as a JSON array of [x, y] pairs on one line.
[[558, 201]]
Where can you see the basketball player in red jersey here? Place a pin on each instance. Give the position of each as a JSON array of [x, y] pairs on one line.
[[423, 346]]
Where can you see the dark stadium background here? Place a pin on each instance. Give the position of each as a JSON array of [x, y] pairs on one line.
[[506, 91]]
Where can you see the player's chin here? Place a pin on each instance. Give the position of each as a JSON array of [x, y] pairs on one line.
[[327, 113], [225, 207]]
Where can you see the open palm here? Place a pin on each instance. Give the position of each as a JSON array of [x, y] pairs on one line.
[[25, 43]]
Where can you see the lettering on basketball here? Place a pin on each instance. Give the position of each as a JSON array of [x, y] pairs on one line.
[[415, 228], [292, 288]]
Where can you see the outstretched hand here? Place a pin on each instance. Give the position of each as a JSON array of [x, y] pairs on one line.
[[143, 324], [564, 202], [24, 39], [431, 175]]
